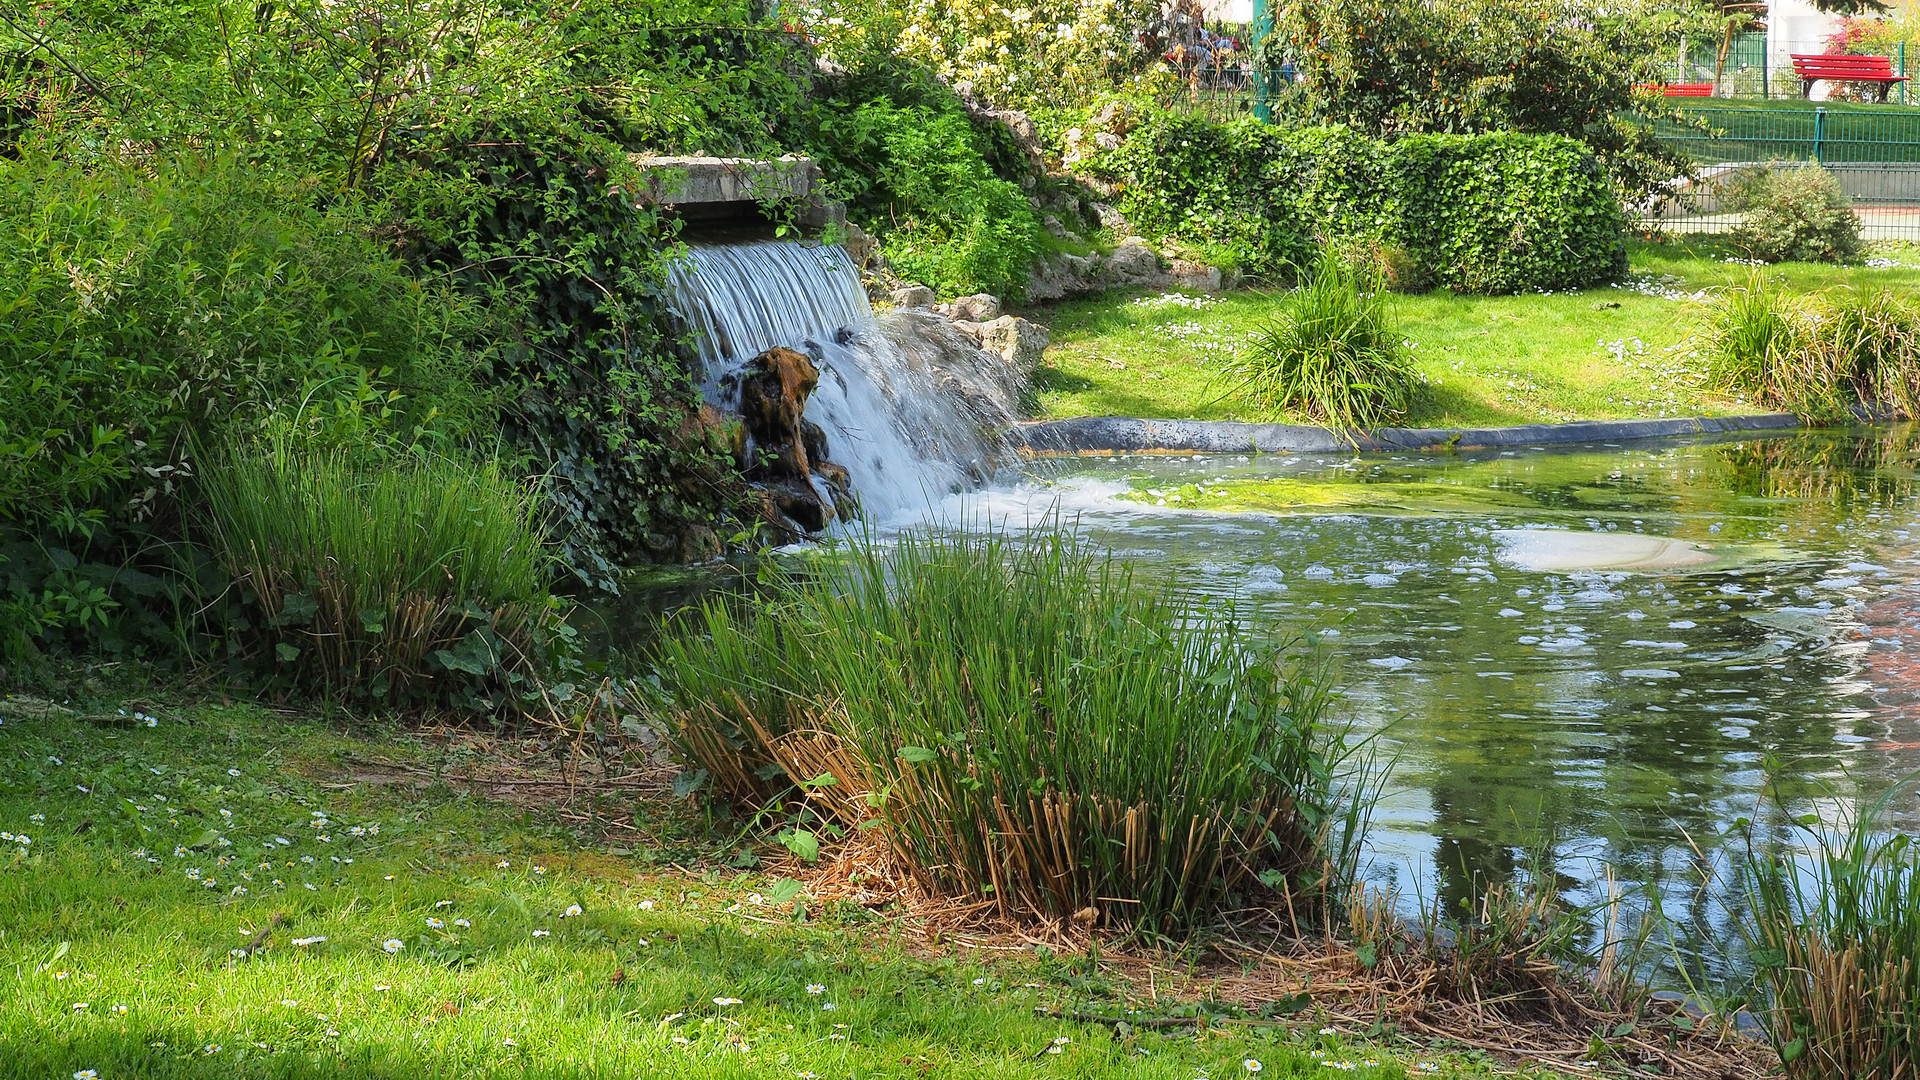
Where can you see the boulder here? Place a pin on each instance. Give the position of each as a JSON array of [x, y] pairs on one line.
[[1059, 275], [861, 248], [980, 307], [1015, 340], [1197, 276], [912, 296], [1133, 264]]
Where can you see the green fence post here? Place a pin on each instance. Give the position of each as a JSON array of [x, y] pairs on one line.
[[1903, 71], [1820, 134], [1262, 84]]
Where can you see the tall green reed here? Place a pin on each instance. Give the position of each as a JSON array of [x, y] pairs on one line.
[[391, 580], [1031, 727], [1819, 357], [1835, 944], [1332, 352]]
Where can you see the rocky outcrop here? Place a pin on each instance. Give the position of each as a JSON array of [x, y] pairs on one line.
[[783, 454], [1132, 265], [980, 307]]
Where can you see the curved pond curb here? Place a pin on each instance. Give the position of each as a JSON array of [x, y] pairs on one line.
[[1094, 435]]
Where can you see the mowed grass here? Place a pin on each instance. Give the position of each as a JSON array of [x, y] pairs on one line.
[[1633, 350], [154, 853]]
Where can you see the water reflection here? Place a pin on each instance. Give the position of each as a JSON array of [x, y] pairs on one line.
[[1587, 717]]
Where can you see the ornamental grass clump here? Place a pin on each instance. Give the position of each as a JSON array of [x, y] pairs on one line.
[[1332, 353], [1835, 944], [1820, 357], [397, 581], [1027, 727]]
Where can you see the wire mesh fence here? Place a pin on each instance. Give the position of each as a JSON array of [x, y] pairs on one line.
[[1874, 152]]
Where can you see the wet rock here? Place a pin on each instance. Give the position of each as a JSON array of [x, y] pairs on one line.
[[912, 296], [773, 397], [699, 543], [799, 503]]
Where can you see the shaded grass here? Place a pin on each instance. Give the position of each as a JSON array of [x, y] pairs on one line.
[[1606, 353], [87, 917], [1028, 726]]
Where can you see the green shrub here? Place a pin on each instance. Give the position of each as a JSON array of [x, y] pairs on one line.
[[1836, 947], [1794, 214], [1480, 214], [1030, 727], [1210, 185], [145, 307], [1506, 213], [1540, 67], [398, 582], [188, 299], [899, 146], [1333, 352]]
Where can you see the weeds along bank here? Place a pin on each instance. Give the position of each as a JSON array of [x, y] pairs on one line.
[[1026, 727]]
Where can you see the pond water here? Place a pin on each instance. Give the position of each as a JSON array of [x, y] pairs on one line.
[[1579, 656]]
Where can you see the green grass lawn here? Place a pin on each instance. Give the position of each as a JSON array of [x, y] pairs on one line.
[[419, 931], [1616, 352]]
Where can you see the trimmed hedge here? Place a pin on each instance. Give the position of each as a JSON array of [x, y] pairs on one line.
[[1479, 213]]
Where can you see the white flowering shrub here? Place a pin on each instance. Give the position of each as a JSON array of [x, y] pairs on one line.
[[1043, 56]]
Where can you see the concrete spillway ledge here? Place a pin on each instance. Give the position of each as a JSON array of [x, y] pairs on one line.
[[1097, 435], [719, 188]]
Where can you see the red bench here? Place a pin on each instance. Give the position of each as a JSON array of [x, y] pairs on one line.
[[1875, 70], [1685, 89]]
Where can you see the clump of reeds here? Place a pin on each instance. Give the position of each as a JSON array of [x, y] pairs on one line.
[[1820, 357], [392, 582], [1028, 726], [1332, 351], [1835, 944]]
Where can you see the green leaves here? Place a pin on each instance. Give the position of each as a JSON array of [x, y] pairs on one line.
[[1485, 213]]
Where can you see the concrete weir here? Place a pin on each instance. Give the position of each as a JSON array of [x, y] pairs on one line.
[[725, 191], [1097, 435]]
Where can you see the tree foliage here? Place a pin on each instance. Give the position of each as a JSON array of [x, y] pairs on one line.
[[1395, 67]]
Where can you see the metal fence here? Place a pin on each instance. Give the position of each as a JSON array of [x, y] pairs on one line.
[[1874, 151]]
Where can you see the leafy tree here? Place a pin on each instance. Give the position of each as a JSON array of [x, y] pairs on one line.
[[1468, 66]]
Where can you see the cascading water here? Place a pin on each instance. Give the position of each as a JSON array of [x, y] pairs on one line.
[[911, 408]]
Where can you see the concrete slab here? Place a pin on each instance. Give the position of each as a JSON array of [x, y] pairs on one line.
[[719, 187], [1093, 435]]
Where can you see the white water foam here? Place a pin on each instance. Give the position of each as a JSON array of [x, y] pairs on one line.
[[908, 429]]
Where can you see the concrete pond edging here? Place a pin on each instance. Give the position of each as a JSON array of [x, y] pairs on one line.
[[1099, 435]]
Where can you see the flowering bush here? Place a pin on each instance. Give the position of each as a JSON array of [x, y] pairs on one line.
[[1039, 55]]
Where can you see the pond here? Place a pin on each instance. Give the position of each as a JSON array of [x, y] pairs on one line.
[[1575, 656]]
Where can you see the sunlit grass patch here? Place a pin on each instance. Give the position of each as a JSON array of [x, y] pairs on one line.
[[675, 973]]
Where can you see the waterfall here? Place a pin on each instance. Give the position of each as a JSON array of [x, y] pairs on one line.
[[910, 406]]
